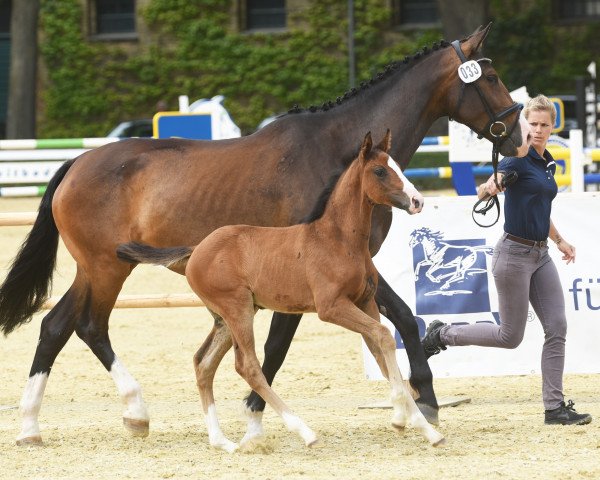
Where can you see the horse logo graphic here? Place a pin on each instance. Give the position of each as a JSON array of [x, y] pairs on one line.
[[449, 268]]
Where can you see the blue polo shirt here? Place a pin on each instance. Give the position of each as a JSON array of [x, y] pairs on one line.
[[528, 201]]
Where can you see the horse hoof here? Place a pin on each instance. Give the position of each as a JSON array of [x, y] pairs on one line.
[[312, 443], [398, 427], [439, 442], [137, 427], [35, 440], [430, 413]]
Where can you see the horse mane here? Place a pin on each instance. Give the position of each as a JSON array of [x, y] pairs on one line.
[[394, 67]]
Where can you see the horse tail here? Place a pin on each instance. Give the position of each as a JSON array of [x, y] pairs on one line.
[[133, 252], [29, 280]]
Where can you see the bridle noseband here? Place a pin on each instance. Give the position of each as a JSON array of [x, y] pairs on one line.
[[495, 118]]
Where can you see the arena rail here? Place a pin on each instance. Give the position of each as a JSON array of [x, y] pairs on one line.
[[27, 162]]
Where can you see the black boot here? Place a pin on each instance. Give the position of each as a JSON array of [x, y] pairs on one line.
[[431, 340], [566, 415]]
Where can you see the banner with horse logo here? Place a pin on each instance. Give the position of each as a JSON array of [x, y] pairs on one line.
[[439, 262]]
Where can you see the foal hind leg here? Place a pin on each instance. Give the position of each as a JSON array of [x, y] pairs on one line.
[[282, 331], [206, 361], [105, 283], [248, 366], [56, 328]]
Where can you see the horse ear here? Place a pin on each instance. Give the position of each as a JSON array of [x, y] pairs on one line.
[[386, 143], [366, 146], [475, 41]]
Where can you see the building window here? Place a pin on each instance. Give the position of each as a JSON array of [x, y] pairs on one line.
[[5, 18], [265, 14], [415, 12], [114, 17], [578, 9]]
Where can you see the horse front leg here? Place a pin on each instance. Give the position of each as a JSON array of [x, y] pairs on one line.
[[421, 378]]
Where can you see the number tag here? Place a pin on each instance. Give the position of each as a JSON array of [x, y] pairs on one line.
[[469, 71]]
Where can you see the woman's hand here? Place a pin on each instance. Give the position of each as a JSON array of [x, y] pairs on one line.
[[489, 188], [567, 250]]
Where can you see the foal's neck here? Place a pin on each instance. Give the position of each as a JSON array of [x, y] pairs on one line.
[[347, 215]]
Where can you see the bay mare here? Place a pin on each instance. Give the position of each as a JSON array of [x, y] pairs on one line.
[[129, 190], [323, 266]]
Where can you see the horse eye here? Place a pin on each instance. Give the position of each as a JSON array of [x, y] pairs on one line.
[[380, 172], [492, 79]]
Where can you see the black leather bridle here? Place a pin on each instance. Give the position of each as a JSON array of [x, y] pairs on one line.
[[495, 126]]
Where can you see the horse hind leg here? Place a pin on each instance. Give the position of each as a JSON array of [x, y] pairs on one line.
[[92, 328], [56, 328], [206, 361]]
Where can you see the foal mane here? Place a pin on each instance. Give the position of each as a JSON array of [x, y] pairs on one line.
[[319, 207], [398, 66]]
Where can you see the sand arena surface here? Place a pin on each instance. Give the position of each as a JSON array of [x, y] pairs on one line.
[[500, 434]]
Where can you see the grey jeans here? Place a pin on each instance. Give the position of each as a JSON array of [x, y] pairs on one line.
[[522, 275]]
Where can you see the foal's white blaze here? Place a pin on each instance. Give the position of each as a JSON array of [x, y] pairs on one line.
[[130, 392], [295, 424], [30, 406], [216, 437], [254, 427], [416, 199]]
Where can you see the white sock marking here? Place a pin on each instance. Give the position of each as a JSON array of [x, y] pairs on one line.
[[130, 392], [30, 405]]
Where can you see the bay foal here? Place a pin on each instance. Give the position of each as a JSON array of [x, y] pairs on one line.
[[323, 266]]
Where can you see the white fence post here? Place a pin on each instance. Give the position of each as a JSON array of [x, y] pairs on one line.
[[577, 160]]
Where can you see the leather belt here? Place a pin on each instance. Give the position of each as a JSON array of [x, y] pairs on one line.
[[529, 243]]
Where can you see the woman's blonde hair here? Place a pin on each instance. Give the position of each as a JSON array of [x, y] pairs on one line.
[[541, 103]]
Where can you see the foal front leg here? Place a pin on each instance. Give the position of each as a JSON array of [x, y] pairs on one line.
[[347, 315], [421, 378]]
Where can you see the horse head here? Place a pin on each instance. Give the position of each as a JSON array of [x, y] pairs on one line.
[[479, 99], [383, 181], [422, 234]]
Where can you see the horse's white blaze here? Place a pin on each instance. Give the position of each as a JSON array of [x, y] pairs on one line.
[[254, 427], [216, 437], [525, 135], [295, 424], [30, 405], [417, 199], [130, 392]]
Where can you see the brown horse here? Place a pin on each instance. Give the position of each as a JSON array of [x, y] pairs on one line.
[[176, 192], [323, 266]]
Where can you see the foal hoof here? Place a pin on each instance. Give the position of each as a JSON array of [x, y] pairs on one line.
[[35, 440], [430, 413], [137, 427]]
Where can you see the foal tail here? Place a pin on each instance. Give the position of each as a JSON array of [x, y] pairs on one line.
[[170, 257], [29, 280]]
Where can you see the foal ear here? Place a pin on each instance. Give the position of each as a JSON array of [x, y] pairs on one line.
[[366, 146], [386, 143], [475, 41]]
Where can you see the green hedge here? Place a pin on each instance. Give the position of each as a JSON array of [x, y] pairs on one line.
[[94, 85]]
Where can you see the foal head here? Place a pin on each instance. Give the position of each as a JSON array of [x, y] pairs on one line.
[[383, 181]]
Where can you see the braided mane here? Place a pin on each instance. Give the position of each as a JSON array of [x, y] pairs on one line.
[[387, 71]]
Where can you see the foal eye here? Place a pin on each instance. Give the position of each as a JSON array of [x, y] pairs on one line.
[[492, 79], [380, 172]]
